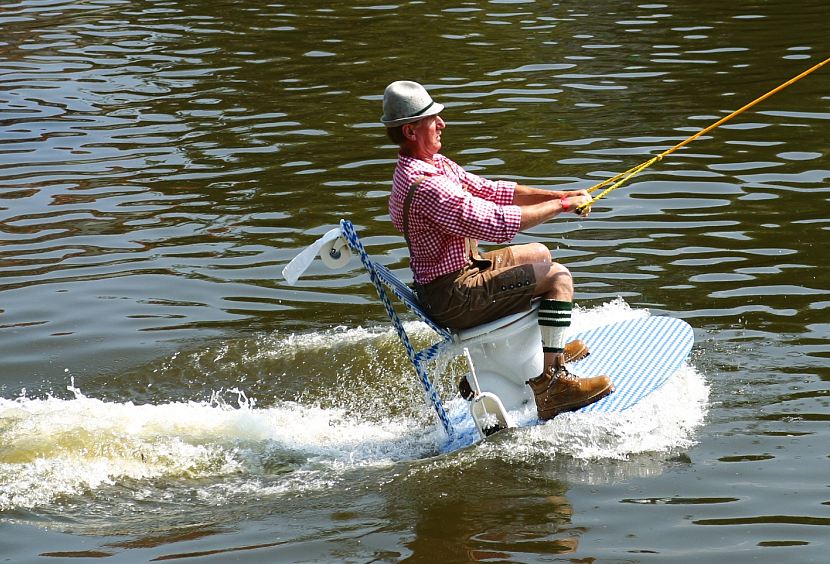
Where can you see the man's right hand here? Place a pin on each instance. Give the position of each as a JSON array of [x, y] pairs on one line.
[[573, 202]]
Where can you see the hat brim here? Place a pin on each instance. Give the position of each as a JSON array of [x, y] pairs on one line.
[[435, 109]]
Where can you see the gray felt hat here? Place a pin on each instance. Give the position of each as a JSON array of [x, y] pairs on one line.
[[405, 101]]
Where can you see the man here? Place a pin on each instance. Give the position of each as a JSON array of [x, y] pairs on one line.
[[442, 210]]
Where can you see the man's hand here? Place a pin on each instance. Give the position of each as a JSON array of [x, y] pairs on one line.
[[573, 200], [539, 206]]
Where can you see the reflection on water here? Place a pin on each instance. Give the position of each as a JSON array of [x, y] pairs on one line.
[[161, 161]]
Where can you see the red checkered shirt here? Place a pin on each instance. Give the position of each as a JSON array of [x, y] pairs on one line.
[[449, 205]]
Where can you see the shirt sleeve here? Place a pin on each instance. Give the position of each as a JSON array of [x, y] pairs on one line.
[[497, 191], [465, 214]]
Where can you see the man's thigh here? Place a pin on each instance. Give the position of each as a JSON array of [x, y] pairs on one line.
[[480, 295]]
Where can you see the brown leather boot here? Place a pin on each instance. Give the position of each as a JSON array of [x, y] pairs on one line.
[[556, 390], [576, 350]]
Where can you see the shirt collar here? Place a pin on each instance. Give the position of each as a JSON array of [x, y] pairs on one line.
[[436, 167]]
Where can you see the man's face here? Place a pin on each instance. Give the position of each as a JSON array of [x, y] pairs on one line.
[[427, 133]]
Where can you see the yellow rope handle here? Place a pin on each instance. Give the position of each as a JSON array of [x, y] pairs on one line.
[[621, 178]]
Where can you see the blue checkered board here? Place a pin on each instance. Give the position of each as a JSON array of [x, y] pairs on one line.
[[639, 355]]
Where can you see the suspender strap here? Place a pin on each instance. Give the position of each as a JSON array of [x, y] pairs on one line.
[[407, 203]]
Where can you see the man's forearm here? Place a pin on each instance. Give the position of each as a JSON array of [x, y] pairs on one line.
[[524, 195], [536, 214]]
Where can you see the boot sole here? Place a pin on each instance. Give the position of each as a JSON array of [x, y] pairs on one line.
[[578, 405]]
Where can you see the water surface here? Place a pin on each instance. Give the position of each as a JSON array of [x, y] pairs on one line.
[[165, 394]]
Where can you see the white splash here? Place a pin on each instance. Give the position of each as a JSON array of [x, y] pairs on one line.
[[52, 448], [55, 447]]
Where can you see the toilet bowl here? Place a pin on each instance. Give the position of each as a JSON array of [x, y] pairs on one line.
[[505, 354]]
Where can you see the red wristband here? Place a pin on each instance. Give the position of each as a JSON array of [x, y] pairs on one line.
[[565, 204]]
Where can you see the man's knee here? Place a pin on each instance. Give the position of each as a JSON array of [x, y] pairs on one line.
[[530, 253], [553, 277]]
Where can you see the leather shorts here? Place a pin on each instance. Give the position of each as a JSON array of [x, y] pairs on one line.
[[482, 291]]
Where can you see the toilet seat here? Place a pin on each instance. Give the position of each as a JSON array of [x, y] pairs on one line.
[[505, 326]]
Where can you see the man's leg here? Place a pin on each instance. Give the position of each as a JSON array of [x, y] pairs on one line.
[[556, 390], [554, 285]]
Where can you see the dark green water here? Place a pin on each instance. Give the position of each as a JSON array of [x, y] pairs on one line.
[[164, 394]]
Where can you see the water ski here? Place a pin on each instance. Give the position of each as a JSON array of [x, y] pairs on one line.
[[639, 355]]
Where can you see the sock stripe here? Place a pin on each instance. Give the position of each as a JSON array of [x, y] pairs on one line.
[[555, 314], [555, 305], [554, 320]]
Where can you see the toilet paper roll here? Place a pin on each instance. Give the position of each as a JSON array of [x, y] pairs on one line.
[[302, 261], [335, 254]]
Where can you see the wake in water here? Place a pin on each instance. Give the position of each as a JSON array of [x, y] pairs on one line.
[[54, 448], [58, 450]]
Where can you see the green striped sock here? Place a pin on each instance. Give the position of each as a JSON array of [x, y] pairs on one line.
[[554, 320]]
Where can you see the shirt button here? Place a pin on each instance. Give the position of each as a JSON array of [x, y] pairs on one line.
[[503, 288]]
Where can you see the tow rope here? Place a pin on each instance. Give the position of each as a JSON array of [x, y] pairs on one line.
[[621, 178]]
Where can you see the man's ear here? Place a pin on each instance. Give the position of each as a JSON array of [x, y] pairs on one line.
[[409, 132]]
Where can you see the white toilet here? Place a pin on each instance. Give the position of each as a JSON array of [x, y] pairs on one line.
[[505, 354]]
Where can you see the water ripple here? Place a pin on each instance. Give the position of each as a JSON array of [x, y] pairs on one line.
[[160, 162]]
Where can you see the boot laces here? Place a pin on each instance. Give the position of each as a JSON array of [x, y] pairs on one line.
[[562, 373]]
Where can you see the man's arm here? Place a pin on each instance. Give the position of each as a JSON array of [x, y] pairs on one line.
[[538, 205], [527, 195]]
